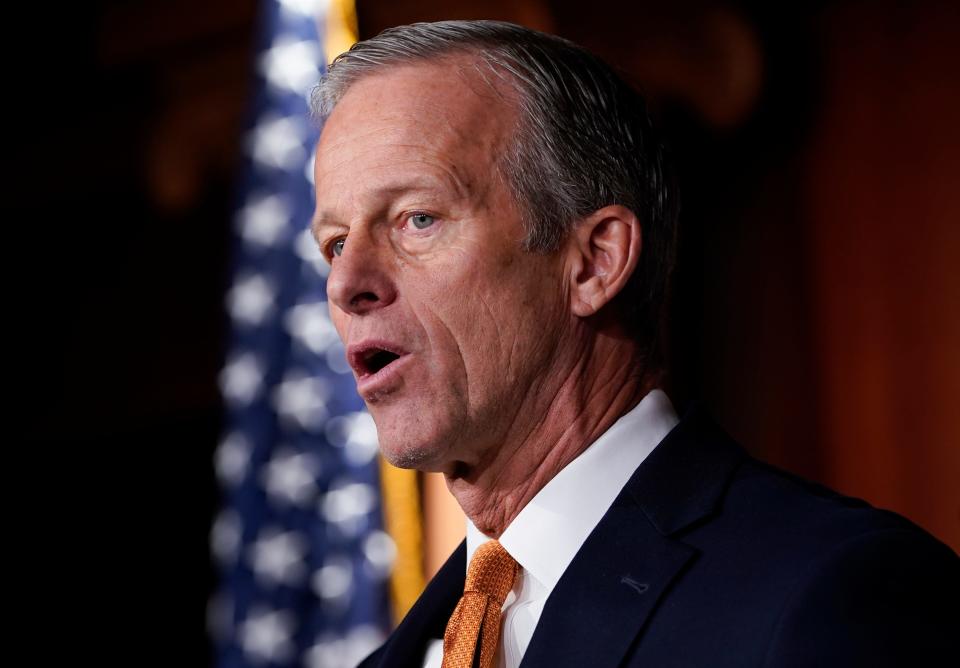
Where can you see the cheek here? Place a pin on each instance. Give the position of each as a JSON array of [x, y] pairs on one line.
[[458, 325], [497, 327], [482, 319], [451, 324]]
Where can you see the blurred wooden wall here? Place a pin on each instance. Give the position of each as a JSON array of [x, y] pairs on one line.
[[883, 183]]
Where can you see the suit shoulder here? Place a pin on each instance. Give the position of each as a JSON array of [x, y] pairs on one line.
[[787, 504], [887, 597], [846, 583]]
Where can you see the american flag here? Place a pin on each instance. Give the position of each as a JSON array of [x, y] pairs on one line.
[[299, 543]]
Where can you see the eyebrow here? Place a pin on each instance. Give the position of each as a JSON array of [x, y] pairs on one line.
[[324, 218]]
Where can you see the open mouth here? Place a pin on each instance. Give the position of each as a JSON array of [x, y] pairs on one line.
[[370, 360], [375, 359]]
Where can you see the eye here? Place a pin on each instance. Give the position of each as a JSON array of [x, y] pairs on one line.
[[337, 246], [421, 221]]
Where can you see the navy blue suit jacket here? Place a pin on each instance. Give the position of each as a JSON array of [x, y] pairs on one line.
[[709, 557]]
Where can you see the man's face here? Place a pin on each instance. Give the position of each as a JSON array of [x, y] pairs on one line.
[[448, 323]]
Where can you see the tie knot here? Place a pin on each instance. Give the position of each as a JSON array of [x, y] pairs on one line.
[[491, 571]]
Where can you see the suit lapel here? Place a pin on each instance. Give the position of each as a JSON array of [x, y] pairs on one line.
[[607, 592], [428, 617], [626, 565]]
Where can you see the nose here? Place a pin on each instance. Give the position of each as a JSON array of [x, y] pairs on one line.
[[360, 280]]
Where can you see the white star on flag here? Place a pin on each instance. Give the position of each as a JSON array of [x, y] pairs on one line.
[[278, 143], [251, 299], [310, 324], [356, 433], [232, 458], [332, 651], [225, 536], [264, 220], [308, 8], [277, 556], [290, 477], [292, 65], [302, 400], [334, 580], [347, 505], [380, 552], [267, 635], [241, 379]]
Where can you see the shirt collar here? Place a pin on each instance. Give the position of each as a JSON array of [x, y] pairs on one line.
[[549, 531]]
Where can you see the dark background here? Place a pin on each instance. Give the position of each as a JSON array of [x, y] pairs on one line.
[[817, 298]]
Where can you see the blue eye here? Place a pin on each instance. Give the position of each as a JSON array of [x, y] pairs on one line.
[[337, 246], [421, 221]]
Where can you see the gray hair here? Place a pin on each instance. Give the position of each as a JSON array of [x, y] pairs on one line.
[[583, 141]]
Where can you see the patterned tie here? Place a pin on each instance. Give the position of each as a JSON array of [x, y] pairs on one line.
[[489, 580]]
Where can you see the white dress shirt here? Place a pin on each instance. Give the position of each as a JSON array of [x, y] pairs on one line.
[[549, 531]]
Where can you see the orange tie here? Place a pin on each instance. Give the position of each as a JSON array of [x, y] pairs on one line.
[[489, 580]]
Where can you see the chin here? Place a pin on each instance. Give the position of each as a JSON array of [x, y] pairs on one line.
[[415, 435], [404, 448]]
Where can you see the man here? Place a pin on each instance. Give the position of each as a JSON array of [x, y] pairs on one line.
[[494, 206]]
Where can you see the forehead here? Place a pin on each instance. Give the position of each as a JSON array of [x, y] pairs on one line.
[[443, 116]]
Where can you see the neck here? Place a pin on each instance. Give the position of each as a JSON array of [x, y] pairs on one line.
[[557, 423]]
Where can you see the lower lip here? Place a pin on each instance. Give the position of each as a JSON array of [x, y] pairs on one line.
[[385, 380]]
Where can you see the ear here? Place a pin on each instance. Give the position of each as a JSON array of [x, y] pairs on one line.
[[604, 249]]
